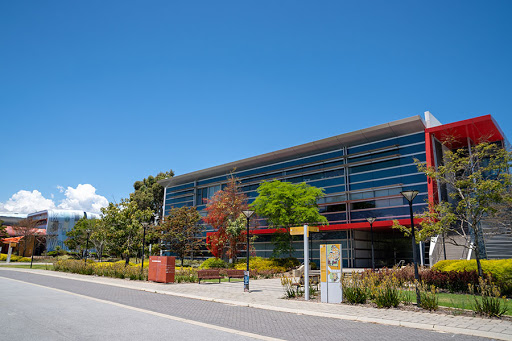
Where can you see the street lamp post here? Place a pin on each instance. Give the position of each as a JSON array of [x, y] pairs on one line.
[[371, 221], [144, 225], [410, 195], [88, 231], [247, 214]]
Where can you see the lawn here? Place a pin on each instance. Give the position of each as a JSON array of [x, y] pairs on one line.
[[460, 301]]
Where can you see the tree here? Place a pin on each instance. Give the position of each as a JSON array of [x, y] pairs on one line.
[[149, 194], [224, 207], [123, 222], [25, 228], [99, 236], [286, 205], [478, 182], [181, 231], [77, 236], [3, 231]]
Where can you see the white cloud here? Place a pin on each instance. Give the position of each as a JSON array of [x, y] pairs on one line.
[[83, 198], [27, 202]]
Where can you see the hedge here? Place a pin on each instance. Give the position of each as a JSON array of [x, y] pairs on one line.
[[3, 258], [500, 269]]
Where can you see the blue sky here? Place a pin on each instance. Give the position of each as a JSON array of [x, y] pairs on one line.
[[108, 92]]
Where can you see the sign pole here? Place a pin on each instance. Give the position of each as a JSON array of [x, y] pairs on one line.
[[306, 264], [9, 252]]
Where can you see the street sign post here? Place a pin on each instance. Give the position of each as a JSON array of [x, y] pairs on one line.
[[304, 230]]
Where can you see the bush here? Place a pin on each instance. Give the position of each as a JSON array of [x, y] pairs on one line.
[[428, 296], [355, 290], [185, 274], [442, 264], [388, 293], [499, 269], [454, 281], [3, 257], [57, 252], [288, 287], [287, 263], [261, 264], [212, 263], [490, 302], [116, 270]]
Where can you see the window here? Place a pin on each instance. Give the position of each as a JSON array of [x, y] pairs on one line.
[[363, 205], [333, 208]]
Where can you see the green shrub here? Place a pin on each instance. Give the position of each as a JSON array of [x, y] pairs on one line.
[[490, 303], [287, 263], [261, 264], [211, 263], [428, 296], [187, 275], [354, 289], [388, 294], [116, 270], [500, 270], [3, 257], [442, 264], [288, 287], [57, 252]]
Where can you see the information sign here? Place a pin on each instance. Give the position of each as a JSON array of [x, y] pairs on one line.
[[330, 273]]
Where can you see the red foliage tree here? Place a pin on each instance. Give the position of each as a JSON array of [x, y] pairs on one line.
[[225, 205]]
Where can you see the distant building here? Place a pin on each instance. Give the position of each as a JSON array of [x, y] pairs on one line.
[[9, 218], [362, 174], [57, 223]]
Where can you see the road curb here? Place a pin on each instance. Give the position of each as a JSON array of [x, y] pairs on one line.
[[375, 320]]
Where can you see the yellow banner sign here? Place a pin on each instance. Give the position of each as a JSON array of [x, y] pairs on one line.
[[330, 263], [299, 230]]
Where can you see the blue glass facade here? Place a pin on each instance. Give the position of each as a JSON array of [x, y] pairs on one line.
[[360, 180]]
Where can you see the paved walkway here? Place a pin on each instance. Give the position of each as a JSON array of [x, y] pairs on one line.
[[267, 294]]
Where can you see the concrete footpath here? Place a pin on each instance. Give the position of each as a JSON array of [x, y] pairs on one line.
[[267, 294]]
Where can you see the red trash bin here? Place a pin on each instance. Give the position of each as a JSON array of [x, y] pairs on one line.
[[161, 269]]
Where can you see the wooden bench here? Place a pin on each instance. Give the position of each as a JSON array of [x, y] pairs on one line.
[[208, 274], [234, 274]]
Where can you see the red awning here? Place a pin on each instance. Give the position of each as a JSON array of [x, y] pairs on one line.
[[11, 240]]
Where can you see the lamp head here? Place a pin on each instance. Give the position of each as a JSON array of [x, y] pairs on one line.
[[409, 195], [248, 213]]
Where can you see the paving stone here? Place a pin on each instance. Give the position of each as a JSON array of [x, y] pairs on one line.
[[263, 321]]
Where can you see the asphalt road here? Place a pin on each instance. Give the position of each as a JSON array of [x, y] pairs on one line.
[[58, 308]]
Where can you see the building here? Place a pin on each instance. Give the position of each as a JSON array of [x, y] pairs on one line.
[[57, 223], [9, 218], [362, 174]]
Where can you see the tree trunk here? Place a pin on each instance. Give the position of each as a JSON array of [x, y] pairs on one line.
[[477, 255], [127, 262], [182, 259], [291, 246]]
